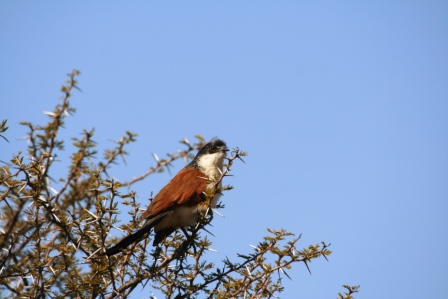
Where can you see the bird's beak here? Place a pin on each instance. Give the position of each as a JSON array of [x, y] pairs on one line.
[[224, 149]]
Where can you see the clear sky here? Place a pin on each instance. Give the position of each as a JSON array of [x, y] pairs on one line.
[[342, 106]]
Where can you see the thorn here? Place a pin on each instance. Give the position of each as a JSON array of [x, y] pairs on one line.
[[168, 169], [93, 253], [218, 213], [238, 156], [51, 114], [248, 271], [208, 231], [4, 138], [96, 217], [254, 247], [284, 272], [116, 227], [306, 264]]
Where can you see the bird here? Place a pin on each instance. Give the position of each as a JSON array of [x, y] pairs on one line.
[[183, 199]]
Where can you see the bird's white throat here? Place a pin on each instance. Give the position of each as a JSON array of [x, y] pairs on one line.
[[212, 164]]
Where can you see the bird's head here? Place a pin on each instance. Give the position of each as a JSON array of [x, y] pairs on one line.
[[211, 155]]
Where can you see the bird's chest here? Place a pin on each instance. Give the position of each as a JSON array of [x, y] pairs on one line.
[[213, 174], [186, 215]]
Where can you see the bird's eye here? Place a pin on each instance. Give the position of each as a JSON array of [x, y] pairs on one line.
[[213, 148]]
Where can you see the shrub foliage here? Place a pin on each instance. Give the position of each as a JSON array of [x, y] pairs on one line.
[[52, 239]]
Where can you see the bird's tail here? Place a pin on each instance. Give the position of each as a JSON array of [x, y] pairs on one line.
[[128, 240], [136, 236]]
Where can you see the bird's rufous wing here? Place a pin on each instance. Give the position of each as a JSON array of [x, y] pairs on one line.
[[184, 189]]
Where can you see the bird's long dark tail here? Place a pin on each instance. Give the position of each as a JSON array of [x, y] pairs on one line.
[[136, 236]]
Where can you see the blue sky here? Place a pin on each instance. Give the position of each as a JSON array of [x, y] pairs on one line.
[[342, 107]]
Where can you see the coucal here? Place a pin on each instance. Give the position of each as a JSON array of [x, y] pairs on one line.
[[180, 202]]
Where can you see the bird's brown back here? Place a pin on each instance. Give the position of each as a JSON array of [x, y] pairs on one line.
[[186, 188]]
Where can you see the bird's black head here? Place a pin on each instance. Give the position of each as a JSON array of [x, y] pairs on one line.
[[214, 146], [211, 153]]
